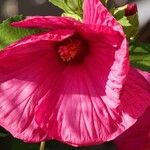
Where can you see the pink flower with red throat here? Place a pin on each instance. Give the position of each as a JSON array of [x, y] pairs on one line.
[[137, 137], [71, 83]]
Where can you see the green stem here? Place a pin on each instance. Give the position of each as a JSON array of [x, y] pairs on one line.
[[42, 146]]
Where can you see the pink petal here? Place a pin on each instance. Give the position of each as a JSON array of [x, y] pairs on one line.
[[18, 99], [96, 14], [112, 56], [99, 18], [145, 74], [25, 77], [45, 22], [50, 37], [136, 137], [137, 87], [75, 113]]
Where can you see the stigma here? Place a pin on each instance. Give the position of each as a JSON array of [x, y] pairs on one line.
[[70, 49]]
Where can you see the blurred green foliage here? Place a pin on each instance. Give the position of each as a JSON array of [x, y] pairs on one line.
[[9, 34], [10, 143], [140, 56], [71, 8], [7, 142]]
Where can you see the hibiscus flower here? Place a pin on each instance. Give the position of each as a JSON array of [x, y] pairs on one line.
[[72, 82], [137, 137]]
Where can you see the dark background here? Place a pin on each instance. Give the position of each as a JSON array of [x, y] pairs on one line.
[[27, 7]]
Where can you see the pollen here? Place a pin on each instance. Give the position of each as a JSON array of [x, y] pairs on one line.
[[69, 50]]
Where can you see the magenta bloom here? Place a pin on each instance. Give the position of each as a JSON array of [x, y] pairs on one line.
[[72, 82], [137, 137]]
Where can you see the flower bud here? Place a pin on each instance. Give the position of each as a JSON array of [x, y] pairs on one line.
[[131, 9]]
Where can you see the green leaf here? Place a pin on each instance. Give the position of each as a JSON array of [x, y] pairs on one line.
[[4, 135], [132, 30], [140, 56], [105, 2], [72, 8], [75, 16], [9, 34]]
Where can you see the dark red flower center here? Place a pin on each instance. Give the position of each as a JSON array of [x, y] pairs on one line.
[[72, 49]]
